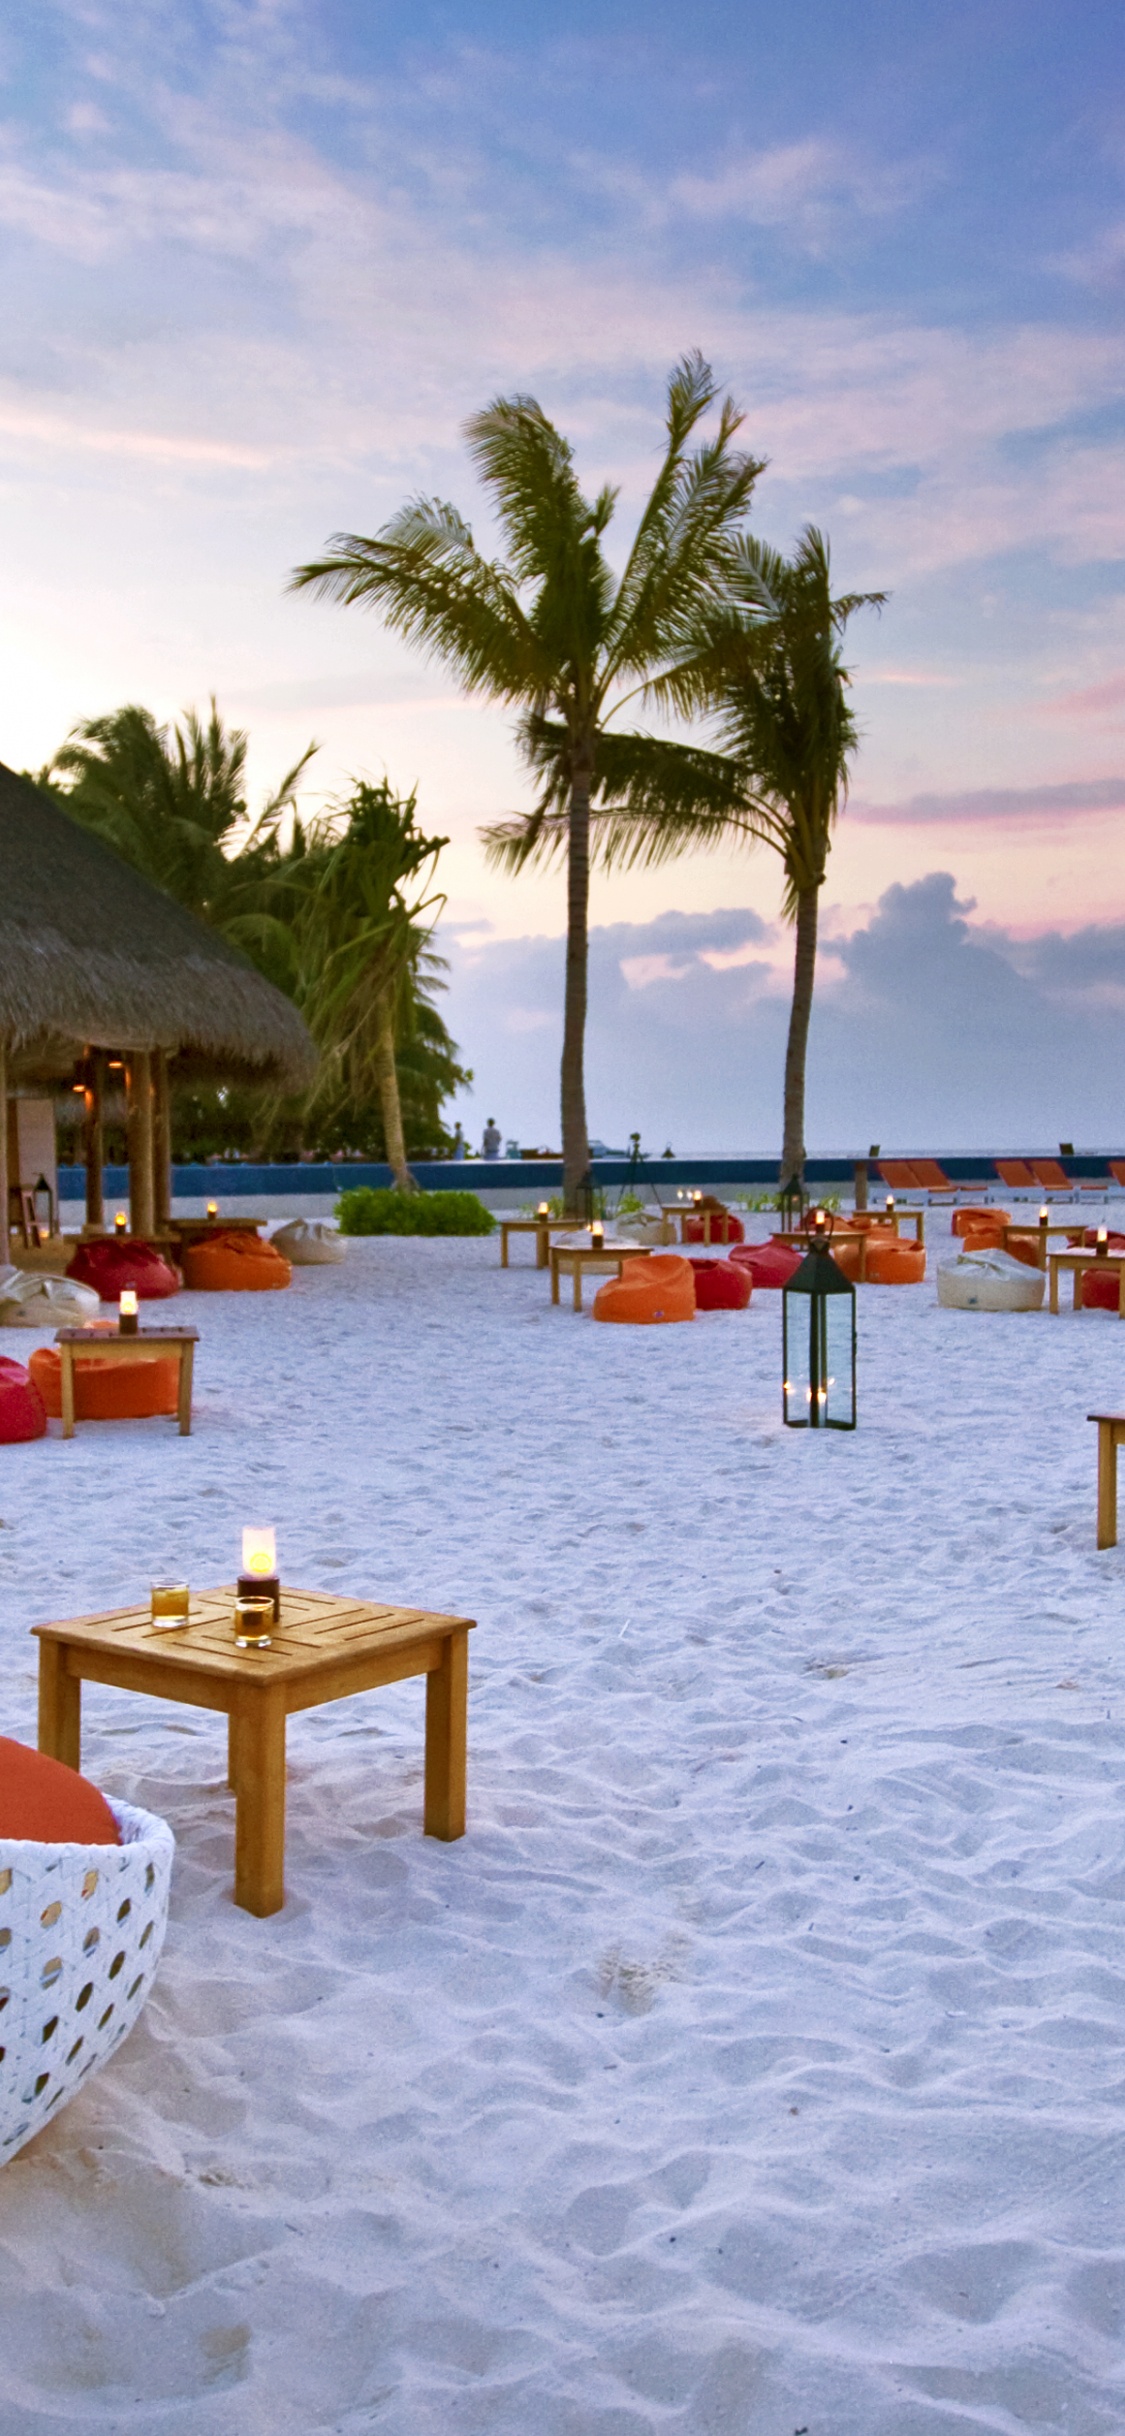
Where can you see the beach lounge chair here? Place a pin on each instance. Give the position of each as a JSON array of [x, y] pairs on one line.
[[898, 1176], [933, 1179], [1052, 1178], [1016, 1174], [1117, 1170]]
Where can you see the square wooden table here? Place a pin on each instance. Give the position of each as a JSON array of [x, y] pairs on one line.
[[1077, 1263], [149, 1344], [605, 1259], [323, 1649], [541, 1228]]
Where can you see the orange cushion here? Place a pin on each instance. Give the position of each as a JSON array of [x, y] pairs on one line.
[[44, 1803], [648, 1291], [233, 1264], [967, 1221], [896, 1263], [108, 1388]]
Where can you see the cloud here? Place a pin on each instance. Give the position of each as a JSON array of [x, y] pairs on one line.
[[929, 1030], [999, 807], [808, 188], [1090, 702]]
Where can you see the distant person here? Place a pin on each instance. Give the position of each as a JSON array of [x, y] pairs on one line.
[[492, 1144], [458, 1150]]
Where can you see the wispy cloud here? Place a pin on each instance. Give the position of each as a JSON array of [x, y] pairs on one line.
[[1003, 807]]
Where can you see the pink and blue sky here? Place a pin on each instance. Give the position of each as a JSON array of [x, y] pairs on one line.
[[260, 262]]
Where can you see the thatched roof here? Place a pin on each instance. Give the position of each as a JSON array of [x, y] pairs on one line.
[[92, 954]]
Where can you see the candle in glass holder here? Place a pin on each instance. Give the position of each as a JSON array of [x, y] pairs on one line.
[[597, 1234], [544, 1210], [1102, 1245], [169, 1605], [120, 1223], [890, 1205], [212, 1209], [127, 1321], [259, 1578], [1044, 1215]]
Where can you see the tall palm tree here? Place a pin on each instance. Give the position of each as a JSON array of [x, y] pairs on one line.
[[767, 670], [550, 630]]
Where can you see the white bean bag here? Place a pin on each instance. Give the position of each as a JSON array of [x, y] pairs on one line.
[[309, 1243], [989, 1281], [81, 1928], [31, 1299], [641, 1227]]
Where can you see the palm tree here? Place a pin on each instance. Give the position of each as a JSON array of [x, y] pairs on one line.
[[768, 671], [175, 806], [550, 630]]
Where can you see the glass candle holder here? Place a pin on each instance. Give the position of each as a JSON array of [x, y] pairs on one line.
[[127, 1319], [169, 1605], [259, 1576], [253, 1623], [120, 1223]]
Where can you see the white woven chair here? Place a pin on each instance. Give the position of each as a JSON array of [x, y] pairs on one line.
[[31, 1299], [309, 1243], [81, 1929]]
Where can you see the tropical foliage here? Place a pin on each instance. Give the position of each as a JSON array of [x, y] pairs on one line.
[[550, 630], [367, 1211], [338, 912]]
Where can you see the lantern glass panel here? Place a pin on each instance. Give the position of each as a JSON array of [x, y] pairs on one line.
[[818, 1347]]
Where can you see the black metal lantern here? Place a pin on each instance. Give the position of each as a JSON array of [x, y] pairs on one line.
[[818, 1338], [792, 1202]]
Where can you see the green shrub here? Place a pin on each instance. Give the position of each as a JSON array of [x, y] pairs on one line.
[[367, 1211]]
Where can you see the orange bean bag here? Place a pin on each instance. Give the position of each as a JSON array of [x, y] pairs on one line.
[[967, 1222], [769, 1264], [109, 1262], [847, 1255], [719, 1286], [21, 1407], [107, 1388], [1021, 1247], [234, 1264], [896, 1263], [659, 1288]]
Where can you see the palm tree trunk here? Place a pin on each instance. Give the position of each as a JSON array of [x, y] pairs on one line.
[[387, 1076], [576, 1148], [804, 973]]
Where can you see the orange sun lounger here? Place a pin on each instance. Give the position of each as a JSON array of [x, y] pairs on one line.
[[898, 1176], [1052, 1177], [1016, 1174]]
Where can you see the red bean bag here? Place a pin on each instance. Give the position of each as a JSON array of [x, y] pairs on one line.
[[769, 1264], [109, 1262], [896, 1263], [22, 1413], [234, 1264], [43, 1802], [659, 1288], [108, 1388], [725, 1227], [1100, 1290], [719, 1286], [968, 1221]]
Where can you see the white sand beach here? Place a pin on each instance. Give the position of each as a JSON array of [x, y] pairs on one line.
[[755, 2063]]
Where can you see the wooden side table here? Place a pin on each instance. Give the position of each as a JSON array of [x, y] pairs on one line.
[[539, 1227], [579, 1259], [1111, 1434], [323, 1649], [1078, 1263], [149, 1344]]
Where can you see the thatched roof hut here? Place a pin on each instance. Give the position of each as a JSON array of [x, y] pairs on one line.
[[96, 961], [93, 956]]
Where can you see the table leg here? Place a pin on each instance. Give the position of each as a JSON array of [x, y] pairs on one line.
[[447, 1702], [60, 1705], [187, 1364], [554, 1275], [542, 1247], [257, 1753], [578, 1285], [1107, 1485], [1053, 1297], [1076, 1302], [503, 1247], [66, 1382]]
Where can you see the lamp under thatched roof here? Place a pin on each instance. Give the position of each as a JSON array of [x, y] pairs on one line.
[[93, 958]]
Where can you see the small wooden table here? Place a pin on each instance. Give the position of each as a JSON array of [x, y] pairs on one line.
[[149, 1344], [1077, 1263], [604, 1260], [180, 1231], [539, 1227], [324, 1649], [1111, 1433]]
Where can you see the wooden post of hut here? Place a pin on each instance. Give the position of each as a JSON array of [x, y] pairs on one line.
[[5, 1178], [138, 1121], [161, 1142], [94, 1142]]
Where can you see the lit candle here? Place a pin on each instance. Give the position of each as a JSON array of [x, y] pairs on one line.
[[597, 1233], [120, 1223], [258, 1578], [212, 1209], [259, 1551], [890, 1205], [1044, 1215], [127, 1311], [1103, 1239], [544, 1209]]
